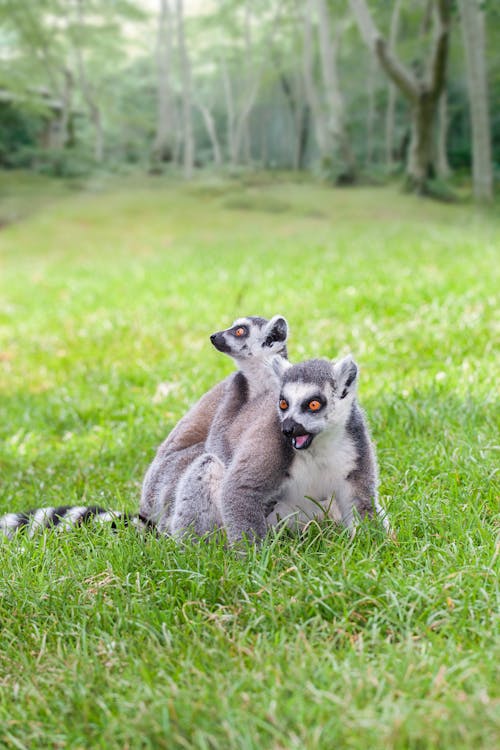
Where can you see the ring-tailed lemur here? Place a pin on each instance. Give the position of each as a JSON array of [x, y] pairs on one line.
[[251, 342], [269, 463]]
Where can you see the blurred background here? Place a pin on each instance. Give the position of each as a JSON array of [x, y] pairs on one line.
[[353, 91]]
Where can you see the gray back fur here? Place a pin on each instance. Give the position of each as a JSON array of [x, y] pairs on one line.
[[252, 342]]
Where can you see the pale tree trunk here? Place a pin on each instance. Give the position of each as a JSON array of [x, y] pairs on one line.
[[328, 47], [371, 113], [251, 85], [472, 17], [187, 113], [422, 93], [230, 117], [442, 163], [323, 136], [391, 95], [300, 118], [88, 93], [242, 130], [163, 144], [211, 131], [243, 118], [239, 109], [65, 117]]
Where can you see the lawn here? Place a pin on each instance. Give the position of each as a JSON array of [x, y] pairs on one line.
[[109, 640]]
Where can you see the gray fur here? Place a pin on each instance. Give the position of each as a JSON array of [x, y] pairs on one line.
[[252, 352], [268, 477], [339, 458], [175, 467]]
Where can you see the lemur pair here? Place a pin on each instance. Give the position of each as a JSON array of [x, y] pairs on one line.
[[272, 441]]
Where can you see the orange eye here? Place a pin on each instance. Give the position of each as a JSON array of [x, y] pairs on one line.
[[283, 404], [239, 332], [314, 405]]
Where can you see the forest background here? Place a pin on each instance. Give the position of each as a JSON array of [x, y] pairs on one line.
[[352, 90]]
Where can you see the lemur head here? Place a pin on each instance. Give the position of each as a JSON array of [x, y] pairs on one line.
[[315, 396], [253, 338]]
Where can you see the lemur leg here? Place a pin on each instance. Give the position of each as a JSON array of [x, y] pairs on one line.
[[196, 504], [355, 505]]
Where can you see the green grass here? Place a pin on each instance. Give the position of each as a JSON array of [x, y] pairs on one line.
[[112, 641]]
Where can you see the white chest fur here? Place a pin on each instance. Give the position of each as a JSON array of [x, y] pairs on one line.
[[316, 478]]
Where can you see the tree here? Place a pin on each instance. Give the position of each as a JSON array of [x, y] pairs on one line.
[[472, 21], [163, 143], [187, 111], [86, 86], [334, 101], [391, 98], [422, 90]]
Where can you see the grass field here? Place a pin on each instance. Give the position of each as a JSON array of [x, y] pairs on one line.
[[108, 640]]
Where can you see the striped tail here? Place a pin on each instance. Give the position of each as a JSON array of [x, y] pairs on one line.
[[66, 517]]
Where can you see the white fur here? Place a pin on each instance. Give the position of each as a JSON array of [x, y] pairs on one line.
[[39, 520], [319, 472], [107, 517], [8, 524]]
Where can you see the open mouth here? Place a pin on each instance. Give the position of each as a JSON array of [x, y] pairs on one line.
[[301, 442]]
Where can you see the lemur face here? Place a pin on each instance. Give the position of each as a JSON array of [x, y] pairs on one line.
[[253, 337], [315, 396]]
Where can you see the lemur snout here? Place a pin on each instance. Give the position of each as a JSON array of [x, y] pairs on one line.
[[291, 428], [219, 342]]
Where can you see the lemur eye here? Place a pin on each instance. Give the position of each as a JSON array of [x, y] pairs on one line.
[[314, 405], [239, 332], [283, 404]]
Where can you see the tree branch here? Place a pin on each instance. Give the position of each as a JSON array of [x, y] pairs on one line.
[[397, 72], [437, 72]]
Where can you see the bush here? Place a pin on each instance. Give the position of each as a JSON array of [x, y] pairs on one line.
[[53, 162]]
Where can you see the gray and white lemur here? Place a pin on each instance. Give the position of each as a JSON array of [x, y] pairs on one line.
[[251, 342], [272, 463]]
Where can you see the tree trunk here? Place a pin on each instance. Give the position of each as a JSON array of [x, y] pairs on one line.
[[442, 164], [300, 118], [163, 144], [391, 94], [371, 113], [187, 114], [88, 94], [230, 118], [420, 166], [63, 137], [323, 140], [422, 93], [328, 46], [472, 18], [211, 131]]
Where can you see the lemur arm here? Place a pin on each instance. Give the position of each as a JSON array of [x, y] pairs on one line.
[[252, 476]]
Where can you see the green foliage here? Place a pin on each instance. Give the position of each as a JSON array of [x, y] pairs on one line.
[[111, 640], [18, 130], [43, 41]]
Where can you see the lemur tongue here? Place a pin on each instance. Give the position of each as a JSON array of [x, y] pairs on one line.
[[300, 440]]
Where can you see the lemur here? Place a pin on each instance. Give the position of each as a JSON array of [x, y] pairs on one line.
[[251, 342], [286, 454]]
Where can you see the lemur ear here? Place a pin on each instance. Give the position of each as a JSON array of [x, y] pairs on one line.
[[345, 373], [277, 330], [279, 366]]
